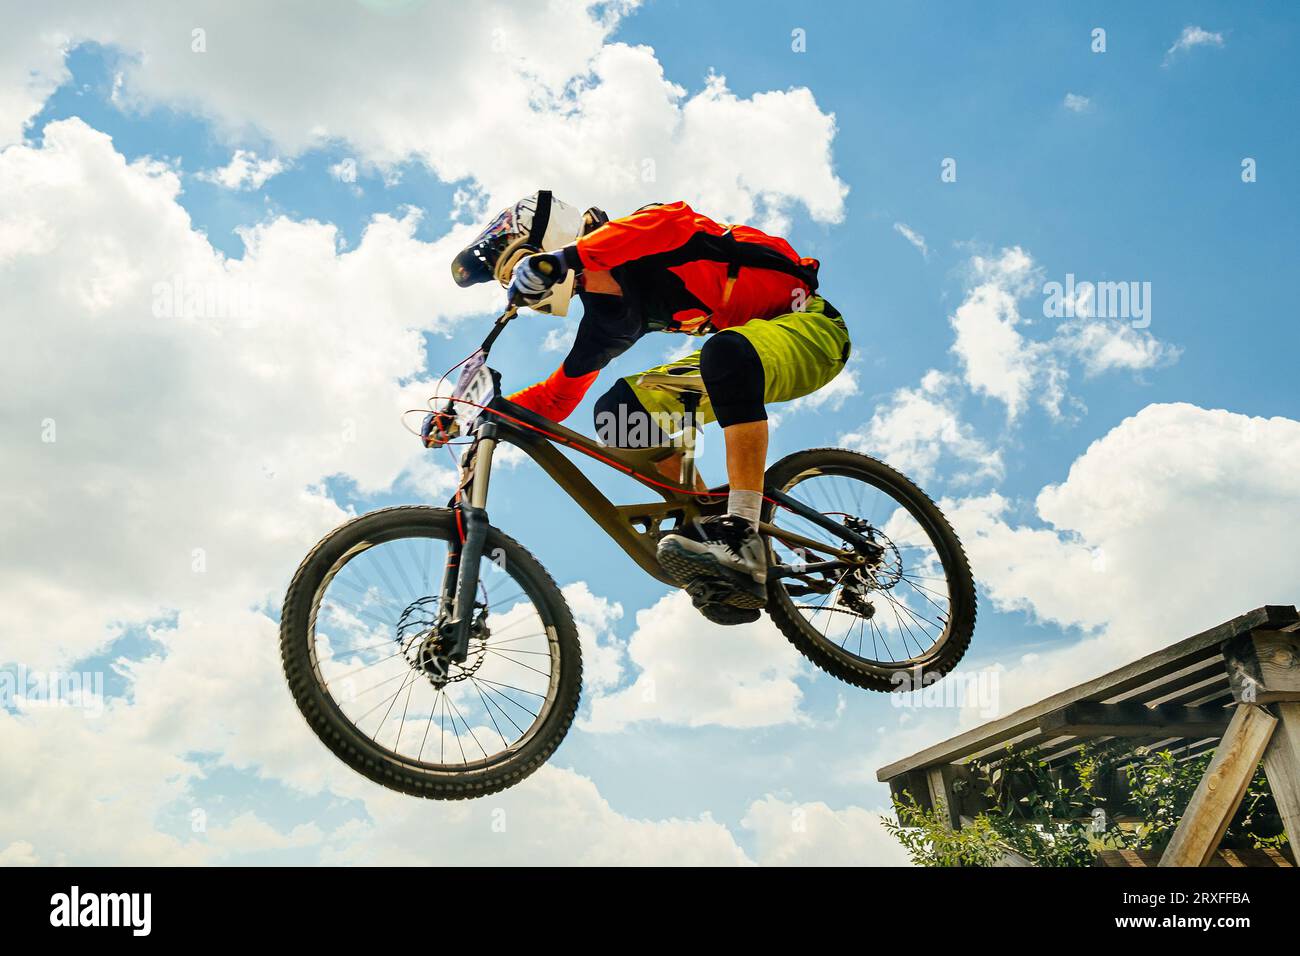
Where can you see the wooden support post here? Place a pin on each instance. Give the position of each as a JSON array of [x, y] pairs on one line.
[[937, 778], [1221, 790], [1282, 767]]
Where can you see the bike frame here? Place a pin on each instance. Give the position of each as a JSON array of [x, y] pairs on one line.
[[636, 528]]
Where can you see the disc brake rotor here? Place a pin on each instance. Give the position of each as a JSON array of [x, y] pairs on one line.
[[419, 633], [881, 575]]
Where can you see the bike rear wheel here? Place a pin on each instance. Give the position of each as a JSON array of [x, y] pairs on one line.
[[357, 641], [894, 626]]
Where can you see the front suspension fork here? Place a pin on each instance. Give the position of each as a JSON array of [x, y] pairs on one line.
[[460, 581]]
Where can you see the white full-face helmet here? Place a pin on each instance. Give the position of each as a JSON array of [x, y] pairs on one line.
[[536, 223]]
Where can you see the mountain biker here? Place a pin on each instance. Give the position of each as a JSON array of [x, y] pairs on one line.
[[668, 268]]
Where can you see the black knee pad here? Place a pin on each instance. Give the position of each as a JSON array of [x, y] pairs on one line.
[[734, 378], [622, 421]]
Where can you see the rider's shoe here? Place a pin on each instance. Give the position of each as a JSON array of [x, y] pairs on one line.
[[726, 548], [707, 594]]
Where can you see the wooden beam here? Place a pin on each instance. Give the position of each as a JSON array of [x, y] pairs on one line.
[[1023, 723], [1090, 719], [1282, 767], [1264, 666], [1220, 791]]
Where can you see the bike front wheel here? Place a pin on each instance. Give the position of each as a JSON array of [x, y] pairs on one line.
[[357, 639], [896, 624]]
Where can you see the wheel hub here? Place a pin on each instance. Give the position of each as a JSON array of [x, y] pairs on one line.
[[427, 643], [884, 565]]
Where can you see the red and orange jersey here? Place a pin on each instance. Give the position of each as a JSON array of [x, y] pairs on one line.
[[678, 271], [688, 273]]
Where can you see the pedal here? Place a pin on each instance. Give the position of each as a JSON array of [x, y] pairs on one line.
[[727, 615], [716, 590]]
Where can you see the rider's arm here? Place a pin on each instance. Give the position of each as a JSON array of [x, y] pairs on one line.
[[644, 233], [606, 331], [556, 396]]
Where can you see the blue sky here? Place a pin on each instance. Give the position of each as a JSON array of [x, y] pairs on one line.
[[1142, 183]]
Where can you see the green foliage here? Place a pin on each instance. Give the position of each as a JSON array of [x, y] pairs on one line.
[[1160, 788], [1058, 815], [929, 840]]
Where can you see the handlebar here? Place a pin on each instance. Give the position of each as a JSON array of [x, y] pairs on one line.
[[512, 310]]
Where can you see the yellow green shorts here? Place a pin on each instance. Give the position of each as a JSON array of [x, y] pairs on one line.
[[800, 352]]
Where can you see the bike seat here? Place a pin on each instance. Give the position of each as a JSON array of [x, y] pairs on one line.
[[680, 380]]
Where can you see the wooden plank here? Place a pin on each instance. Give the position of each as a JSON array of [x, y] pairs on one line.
[[1091, 719], [1023, 741], [1221, 790], [1277, 856], [1264, 666], [1199, 691], [1147, 670], [1124, 858], [1220, 696], [1282, 767], [1198, 748], [1165, 689], [1140, 858], [1012, 858]]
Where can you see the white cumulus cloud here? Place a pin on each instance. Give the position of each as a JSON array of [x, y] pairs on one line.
[[244, 171], [918, 428], [464, 89], [1177, 519], [1190, 38], [1077, 103], [1001, 361], [914, 237], [694, 673]]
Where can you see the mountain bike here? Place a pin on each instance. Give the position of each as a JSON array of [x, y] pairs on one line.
[[434, 654]]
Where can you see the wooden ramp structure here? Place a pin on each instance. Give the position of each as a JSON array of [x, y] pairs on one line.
[[1234, 689]]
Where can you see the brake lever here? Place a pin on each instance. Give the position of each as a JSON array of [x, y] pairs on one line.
[[444, 423]]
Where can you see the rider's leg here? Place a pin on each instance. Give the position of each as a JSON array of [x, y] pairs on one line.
[[728, 546], [628, 416], [746, 459], [624, 420], [744, 368], [735, 379]]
